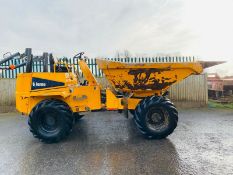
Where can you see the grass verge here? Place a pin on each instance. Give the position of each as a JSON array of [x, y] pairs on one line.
[[213, 104]]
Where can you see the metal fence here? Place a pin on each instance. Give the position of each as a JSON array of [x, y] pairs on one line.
[[38, 65]]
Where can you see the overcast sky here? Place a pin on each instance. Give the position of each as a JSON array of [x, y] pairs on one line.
[[202, 28]]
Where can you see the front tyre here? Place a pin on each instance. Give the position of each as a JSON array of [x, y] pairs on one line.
[[156, 117], [50, 121]]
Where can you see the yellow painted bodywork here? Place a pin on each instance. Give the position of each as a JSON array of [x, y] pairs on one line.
[[115, 103], [87, 73], [146, 79], [124, 77], [79, 98]]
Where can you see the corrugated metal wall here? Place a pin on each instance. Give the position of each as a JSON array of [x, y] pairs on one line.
[[191, 92]]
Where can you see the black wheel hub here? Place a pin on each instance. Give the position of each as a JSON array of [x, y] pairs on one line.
[[48, 122], [157, 119]]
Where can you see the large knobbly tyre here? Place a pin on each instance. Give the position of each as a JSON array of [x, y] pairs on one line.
[[156, 117], [50, 121]]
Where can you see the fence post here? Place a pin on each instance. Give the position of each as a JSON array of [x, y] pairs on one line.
[[45, 62], [28, 53]]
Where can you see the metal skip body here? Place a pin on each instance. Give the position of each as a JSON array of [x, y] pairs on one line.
[[148, 78]]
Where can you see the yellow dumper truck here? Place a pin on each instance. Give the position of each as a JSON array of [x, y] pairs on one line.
[[55, 98]]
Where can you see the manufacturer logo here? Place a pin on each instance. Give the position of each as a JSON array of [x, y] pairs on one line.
[[36, 84], [39, 83]]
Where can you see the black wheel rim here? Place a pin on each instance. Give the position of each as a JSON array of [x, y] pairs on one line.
[[157, 119], [48, 120]]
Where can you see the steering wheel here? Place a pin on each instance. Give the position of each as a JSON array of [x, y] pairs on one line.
[[79, 55]]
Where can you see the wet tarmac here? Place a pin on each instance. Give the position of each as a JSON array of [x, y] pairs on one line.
[[107, 143]]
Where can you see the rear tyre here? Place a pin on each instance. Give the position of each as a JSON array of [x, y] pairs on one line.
[[50, 121], [156, 117]]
